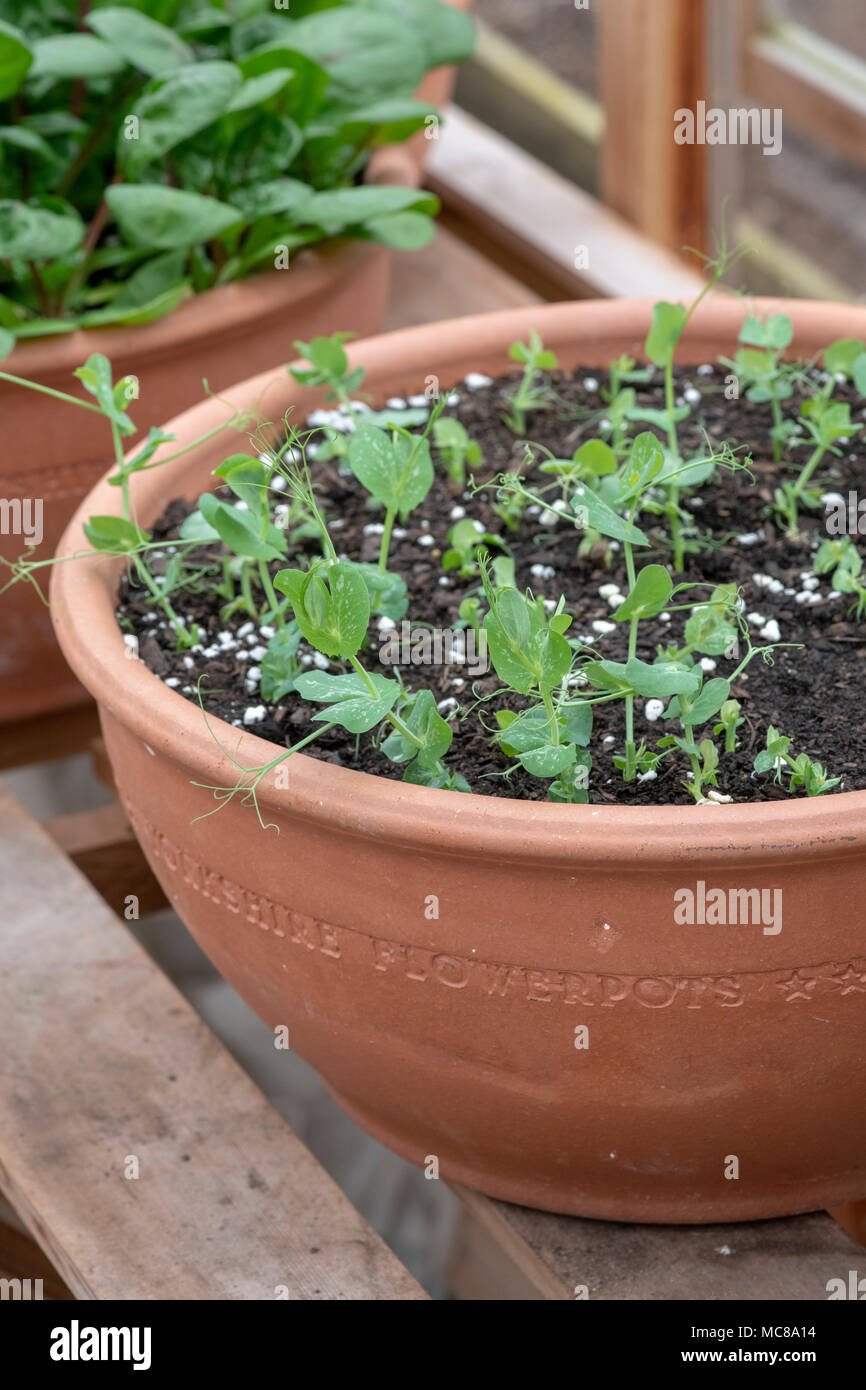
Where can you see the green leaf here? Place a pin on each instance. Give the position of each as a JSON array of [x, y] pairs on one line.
[[278, 665], [591, 512], [331, 604], [173, 108], [195, 528], [397, 471], [257, 90], [710, 630], [645, 463], [652, 590], [308, 81], [44, 328], [658, 681], [365, 54], [248, 479], [355, 207], [7, 342], [277, 195], [710, 700], [44, 229], [842, 355], [447, 34], [654, 682], [387, 592], [524, 650], [549, 760], [392, 121], [235, 529], [143, 42], [577, 718], [95, 376], [668, 322], [858, 373], [114, 534], [15, 59], [597, 458], [427, 724], [350, 702], [405, 231], [647, 415], [67, 56], [776, 333], [163, 218]]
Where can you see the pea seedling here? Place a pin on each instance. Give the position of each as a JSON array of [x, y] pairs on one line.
[[456, 448], [800, 771], [765, 376], [531, 394], [844, 559], [828, 423]]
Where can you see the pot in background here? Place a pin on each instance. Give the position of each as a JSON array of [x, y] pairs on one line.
[[433, 953]]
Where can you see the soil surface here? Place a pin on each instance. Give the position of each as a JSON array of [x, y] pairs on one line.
[[812, 691]]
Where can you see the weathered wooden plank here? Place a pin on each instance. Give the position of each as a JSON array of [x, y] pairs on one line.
[[102, 845], [449, 278], [21, 1258], [103, 1061], [791, 1258], [557, 238], [47, 737]]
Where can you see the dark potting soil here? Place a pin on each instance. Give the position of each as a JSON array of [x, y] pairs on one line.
[[812, 692]]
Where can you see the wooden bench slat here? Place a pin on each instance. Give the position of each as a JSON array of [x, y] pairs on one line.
[[102, 844], [790, 1258], [103, 1058], [517, 205]]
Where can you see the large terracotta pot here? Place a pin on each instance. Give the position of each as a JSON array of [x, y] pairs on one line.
[[432, 953], [53, 453]]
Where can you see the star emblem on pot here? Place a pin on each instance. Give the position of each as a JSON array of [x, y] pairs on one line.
[[796, 986], [849, 980]]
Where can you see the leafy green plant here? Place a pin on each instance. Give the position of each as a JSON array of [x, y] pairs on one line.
[[827, 423], [395, 468], [149, 156], [456, 448], [669, 322], [465, 542], [331, 604], [329, 366], [766, 377], [531, 394], [532, 658], [844, 559], [729, 722], [800, 771]]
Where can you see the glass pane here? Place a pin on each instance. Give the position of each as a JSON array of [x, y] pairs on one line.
[[810, 206], [839, 21], [553, 32]]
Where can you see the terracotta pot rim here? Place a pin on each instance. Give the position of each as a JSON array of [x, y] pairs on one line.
[[359, 803]]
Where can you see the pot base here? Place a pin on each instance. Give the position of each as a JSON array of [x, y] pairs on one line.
[[543, 1195]]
